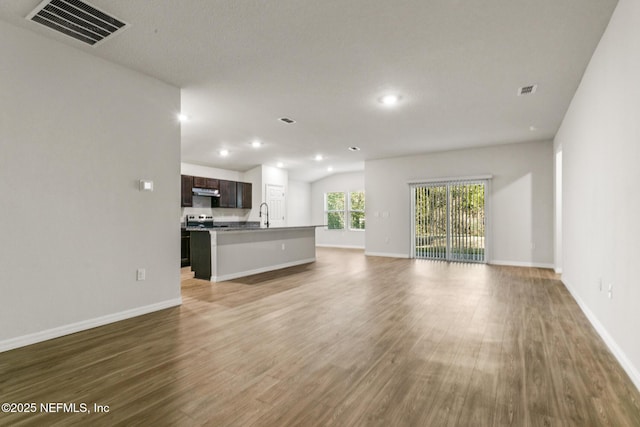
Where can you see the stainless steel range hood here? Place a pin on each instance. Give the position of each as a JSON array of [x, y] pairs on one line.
[[206, 192]]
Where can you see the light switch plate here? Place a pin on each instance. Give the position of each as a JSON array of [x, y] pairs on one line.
[[146, 185]]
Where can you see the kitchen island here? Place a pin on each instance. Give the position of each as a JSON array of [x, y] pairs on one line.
[[220, 254]]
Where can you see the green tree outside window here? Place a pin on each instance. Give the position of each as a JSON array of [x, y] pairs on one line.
[[356, 210], [335, 209], [341, 210]]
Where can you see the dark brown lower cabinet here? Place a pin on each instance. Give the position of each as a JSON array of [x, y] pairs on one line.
[[201, 254], [185, 250]]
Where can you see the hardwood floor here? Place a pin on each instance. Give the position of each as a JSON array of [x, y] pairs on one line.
[[346, 341]]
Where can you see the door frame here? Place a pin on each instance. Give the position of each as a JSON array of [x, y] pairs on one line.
[[277, 187], [488, 229]]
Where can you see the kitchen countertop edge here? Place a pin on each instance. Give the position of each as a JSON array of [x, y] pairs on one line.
[[252, 229]]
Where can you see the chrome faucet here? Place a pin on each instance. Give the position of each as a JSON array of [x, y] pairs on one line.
[[266, 210]]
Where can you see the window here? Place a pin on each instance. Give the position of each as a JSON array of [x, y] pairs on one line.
[[356, 210], [335, 207], [340, 210]]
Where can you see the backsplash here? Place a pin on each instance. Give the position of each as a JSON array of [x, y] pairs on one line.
[[202, 206]]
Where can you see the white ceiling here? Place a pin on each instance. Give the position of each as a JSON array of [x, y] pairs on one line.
[[243, 64]]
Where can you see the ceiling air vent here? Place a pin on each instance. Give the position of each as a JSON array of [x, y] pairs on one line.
[[527, 90], [287, 120], [77, 19]]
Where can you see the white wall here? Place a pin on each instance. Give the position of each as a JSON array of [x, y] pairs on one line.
[[77, 133], [210, 172], [299, 203], [600, 140], [521, 201], [345, 182], [275, 176]]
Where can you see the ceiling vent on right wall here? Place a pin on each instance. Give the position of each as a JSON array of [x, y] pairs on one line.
[[77, 19], [527, 90]]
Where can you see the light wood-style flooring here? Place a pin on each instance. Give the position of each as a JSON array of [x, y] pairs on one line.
[[346, 341]]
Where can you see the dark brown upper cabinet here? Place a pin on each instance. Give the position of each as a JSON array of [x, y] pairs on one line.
[[232, 194], [227, 194], [187, 193], [209, 183], [243, 195]]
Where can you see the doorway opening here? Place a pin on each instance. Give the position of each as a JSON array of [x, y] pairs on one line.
[[558, 213]]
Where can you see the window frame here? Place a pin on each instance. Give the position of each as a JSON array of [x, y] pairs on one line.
[[351, 210], [346, 212], [327, 211]]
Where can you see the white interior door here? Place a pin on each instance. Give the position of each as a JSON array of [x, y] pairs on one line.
[[276, 201]]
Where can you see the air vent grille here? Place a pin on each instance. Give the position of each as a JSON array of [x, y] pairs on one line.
[[77, 19], [527, 90], [287, 120]]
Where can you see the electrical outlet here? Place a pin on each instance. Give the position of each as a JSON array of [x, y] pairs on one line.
[[141, 274], [610, 291]]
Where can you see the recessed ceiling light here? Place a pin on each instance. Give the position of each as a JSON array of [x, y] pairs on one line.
[[280, 164], [330, 168], [256, 144], [224, 152], [354, 148], [533, 128], [183, 118], [390, 100], [318, 157]]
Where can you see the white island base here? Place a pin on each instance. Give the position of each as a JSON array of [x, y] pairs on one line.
[[234, 253]]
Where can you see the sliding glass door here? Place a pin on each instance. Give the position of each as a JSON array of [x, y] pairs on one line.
[[449, 220], [431, 221]]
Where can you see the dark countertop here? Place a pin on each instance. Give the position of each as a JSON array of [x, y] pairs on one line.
[[251, 228], [258, 229], [228, 225], [221, 228]]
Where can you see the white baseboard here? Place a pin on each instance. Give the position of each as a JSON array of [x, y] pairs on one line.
[[232, 276], [620, 355], [521, 264], [557, 270], [60, 331], [322, 245], [388, 255]]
